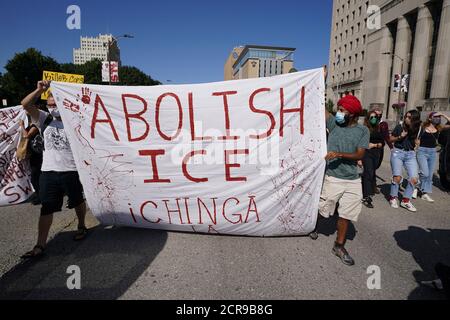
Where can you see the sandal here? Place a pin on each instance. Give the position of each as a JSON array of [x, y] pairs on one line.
[[32, 254], [81, 234]]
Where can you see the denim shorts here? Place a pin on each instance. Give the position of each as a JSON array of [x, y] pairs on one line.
[[54, 185]]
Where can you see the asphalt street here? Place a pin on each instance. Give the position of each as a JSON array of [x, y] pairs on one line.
[[126, 263]]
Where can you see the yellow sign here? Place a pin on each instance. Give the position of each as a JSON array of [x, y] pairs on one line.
[[60, 77]]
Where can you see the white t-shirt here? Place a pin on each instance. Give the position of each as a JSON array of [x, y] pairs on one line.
[[57, 155]]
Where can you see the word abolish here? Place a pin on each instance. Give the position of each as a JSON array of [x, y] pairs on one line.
[[139, 125]]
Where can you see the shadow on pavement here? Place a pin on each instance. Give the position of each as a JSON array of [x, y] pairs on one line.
[[327, 227], [437, 184], [428, 247], [110, 261], [385, 190]]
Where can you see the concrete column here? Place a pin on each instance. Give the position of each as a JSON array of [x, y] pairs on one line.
[[441, 74], [377, 71], [402, 48], [421, 58]]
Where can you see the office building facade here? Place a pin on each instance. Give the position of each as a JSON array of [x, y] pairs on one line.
[[96, 48], [253, 61], [348, 49], [416, 33]]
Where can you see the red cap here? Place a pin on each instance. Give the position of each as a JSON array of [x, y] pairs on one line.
[[351, 104]]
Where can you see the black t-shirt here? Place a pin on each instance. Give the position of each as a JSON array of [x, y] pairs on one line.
[[429, 140], [407, 143], [376, 137]]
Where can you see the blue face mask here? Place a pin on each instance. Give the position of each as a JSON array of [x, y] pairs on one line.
[[341, 118]]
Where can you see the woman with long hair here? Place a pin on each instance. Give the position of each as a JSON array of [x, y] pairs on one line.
[[427, 152], [371, 157], [404, 156]]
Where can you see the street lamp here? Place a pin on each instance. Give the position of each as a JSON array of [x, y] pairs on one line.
[[110, 43], [401, 75]]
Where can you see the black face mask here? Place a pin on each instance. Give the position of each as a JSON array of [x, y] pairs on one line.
[[345, 123]]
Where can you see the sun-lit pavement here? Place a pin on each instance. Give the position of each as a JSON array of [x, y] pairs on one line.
[[125, 263]]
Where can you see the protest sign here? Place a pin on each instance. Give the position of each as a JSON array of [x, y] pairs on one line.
[[241, 157]]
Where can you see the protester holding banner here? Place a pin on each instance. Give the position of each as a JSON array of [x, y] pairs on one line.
[[59, 174], [371, 158], [347, 143], [404, 156]]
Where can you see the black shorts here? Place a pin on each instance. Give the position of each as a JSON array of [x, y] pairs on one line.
[[54, 185]]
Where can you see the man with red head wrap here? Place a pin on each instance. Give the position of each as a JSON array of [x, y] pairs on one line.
[[347, 142]]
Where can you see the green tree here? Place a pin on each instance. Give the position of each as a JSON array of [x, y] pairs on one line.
[[132, 76], [330, 106], [91, 70], [24, 70]]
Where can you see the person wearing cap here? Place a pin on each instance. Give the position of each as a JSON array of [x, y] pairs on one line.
[[427, 152], [347, 143]]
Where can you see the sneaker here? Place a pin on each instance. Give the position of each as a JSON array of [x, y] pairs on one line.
[[368, 202], [408, 206], [427, 198], [342, 253], [394, 203], [414, 195]]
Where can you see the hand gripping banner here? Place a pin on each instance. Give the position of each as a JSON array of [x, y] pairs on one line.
[[241, 157]]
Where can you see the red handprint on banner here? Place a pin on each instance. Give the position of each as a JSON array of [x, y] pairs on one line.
[[86, 95], [69, 105]]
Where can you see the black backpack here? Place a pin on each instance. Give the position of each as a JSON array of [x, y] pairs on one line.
[[37, 143]]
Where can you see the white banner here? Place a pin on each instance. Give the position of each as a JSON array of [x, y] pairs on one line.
[[15, 176], [239, 157]]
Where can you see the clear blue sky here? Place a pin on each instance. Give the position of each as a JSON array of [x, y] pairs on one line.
[[183, 41]]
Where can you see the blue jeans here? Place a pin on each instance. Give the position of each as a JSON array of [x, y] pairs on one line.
[[426, 157], [403, 159]]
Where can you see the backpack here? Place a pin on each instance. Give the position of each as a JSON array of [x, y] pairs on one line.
[[37, 143]]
